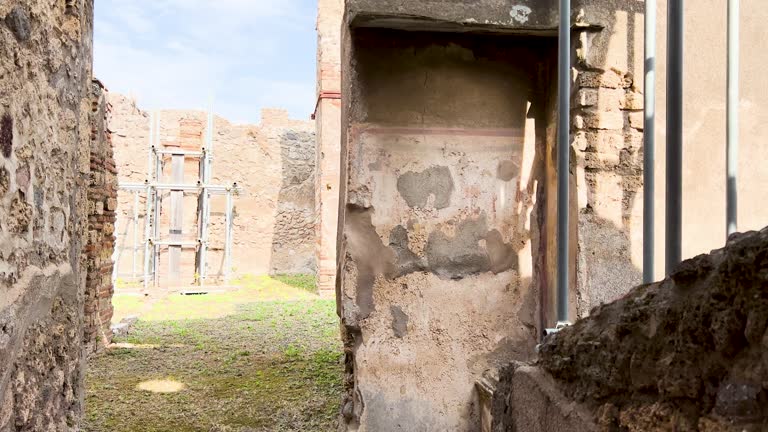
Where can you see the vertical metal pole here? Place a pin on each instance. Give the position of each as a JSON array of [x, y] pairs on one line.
[[205, 199], [135, 243], [563, 159], [733, 116], [157, 202], [674, 216], [649, 144], [148, 209], [228, 239], [148, 236]]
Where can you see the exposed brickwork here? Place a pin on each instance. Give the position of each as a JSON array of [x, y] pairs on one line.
[[102, 202], [607, 140]]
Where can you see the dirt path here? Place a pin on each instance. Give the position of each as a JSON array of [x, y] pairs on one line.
[[265, 358]]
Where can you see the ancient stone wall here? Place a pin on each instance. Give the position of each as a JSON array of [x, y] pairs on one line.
[[100, 243], [606, 174], [689, 354], [444, 151], [274, 216], [45, 107]]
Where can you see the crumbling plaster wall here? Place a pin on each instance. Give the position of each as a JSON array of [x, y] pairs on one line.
[[444, 148], [45, 106], [274, 163], [100, 244]]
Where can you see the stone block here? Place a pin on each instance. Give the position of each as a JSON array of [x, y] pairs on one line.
[[605, 120], [607, 79], [637, 120]]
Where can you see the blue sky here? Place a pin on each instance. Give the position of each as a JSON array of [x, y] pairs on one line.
[[248, 54]]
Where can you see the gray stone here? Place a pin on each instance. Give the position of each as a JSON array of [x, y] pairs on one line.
[[18, 22], [416, 188]]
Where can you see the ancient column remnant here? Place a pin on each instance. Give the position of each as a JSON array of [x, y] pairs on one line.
[[45, 112]]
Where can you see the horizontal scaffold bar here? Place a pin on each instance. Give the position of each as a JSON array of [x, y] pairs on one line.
[[216, 189]]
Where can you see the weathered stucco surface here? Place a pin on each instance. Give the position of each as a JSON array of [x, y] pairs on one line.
[[45, 106], [274, 163], [444, 145], [384, 114]]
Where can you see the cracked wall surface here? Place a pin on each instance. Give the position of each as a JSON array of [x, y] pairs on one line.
[[606, 174], [45, 107], [274, 218], [444, 154]]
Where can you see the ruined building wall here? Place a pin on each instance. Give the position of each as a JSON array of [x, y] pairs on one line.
[[689, 353], [328, 121], [606, 176], [444, 150], [45, 106], [274, 163], [100, 243]]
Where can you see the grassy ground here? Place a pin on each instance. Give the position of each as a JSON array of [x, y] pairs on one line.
[[263, 358]]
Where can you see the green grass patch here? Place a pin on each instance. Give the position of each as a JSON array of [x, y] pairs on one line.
[[301, 281], [266, 357]]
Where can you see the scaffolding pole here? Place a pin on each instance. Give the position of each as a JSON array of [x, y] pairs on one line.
[[732, 157], [674, 213], [205, 172], [135, 243], [153, 187], [228, 239], [148, 215], [563, 160], [157, 202], [649, 144]]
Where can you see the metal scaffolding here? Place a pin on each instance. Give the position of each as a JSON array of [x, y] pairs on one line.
[[152, 189]]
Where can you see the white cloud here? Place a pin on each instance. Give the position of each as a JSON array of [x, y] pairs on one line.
[[177, 53]]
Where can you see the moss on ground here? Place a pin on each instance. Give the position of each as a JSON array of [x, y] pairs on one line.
[[264, 358]]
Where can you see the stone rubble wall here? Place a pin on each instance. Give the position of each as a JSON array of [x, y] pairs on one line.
[[45, 111], [102, 202], [274, 164], [689, 353]]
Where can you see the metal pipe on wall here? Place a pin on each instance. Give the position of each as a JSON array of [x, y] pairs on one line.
[[674, 213], [563, 158], [649, 144], [732, 152]]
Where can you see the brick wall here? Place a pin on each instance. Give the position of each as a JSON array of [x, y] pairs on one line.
[[102, 201]]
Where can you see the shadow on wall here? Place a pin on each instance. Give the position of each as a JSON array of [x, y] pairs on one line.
[[293, 241]]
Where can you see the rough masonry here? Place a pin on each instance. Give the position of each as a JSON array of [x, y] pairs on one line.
[[274, 217], [689, 353], [100, 243], [45, 131]]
